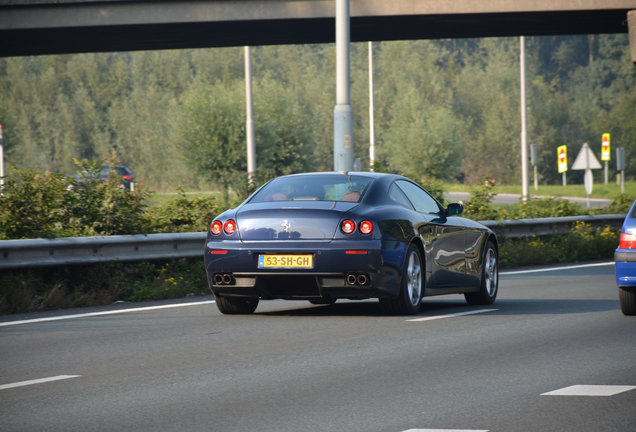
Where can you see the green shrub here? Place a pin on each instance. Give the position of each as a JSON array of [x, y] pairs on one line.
[[479, 205], [620, 205], [96, 207], [583, 243], [184, 214], [23, 290], [35, 205], [32, 204], [542, 208]]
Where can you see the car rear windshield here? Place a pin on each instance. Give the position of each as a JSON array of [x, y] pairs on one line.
[[335, 187]]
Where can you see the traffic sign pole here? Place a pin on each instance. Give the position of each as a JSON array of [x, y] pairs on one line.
[[586, 160], [562, 161], [605, 151]]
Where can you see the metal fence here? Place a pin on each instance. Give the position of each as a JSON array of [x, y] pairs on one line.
[[85, 250]]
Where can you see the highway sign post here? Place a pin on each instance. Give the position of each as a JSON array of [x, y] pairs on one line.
[[562, 158], [605, 151], [620, 165], [534, 161], [586, 160]]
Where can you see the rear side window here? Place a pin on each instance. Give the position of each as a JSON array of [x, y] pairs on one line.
[[397, 196], [421, 200]]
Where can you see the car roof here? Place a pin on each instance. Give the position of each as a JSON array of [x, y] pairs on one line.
[[360, 173]]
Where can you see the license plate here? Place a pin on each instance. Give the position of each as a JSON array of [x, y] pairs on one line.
[[285, 261]]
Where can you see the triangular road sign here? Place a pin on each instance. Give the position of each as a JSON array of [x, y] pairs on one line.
[[586, 159]]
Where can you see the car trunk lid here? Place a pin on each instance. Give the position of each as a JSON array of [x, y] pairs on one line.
[[315, 220]]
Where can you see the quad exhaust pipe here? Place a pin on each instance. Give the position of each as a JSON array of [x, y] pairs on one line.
[[356, 279], [222, 278]]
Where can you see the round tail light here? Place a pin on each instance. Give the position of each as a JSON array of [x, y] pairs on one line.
[[216, 227], [229, 227], [366, 227], [348, 226]]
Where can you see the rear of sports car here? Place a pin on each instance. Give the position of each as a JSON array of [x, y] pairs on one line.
[[303, 238], [625, 258]]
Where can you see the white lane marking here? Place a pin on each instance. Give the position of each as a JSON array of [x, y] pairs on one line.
[[112, 312], [557, 268], [590, 390], [430, 318], [446, 430], [37, 381]]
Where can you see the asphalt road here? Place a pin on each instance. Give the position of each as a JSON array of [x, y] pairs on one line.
[[297, 367]]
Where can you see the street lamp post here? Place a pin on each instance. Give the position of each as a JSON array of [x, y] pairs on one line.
[[249, 127], [343, 112], [524, 135]]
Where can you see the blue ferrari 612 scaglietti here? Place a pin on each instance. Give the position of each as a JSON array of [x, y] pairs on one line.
[[356, 235]]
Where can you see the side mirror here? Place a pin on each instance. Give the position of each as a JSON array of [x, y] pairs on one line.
[[454, 209]]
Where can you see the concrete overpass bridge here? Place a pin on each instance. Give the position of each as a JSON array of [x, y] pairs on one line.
[[30, 27]]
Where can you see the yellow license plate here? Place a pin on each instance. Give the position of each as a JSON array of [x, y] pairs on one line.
[[285, 261]]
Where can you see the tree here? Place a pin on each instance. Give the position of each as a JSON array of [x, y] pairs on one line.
[[211, 131]]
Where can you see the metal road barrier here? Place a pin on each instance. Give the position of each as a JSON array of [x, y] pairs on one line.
[[86, 250], [549, 226]]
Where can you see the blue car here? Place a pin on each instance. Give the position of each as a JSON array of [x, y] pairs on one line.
[[625, 257], [358, 235]]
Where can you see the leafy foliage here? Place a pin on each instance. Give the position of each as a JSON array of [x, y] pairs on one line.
[[33, 205], [184, 214], [36, 204], [583, 243], [46, 288], [479, 206], [444, 109]]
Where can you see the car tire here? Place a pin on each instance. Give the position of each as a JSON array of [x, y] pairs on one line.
[[236, 305], [627, 300], [489, 278], [412, 286]]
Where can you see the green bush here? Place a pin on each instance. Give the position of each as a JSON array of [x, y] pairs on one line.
[[583, 243], [184, 214], [620, 205], [32, 204], [542, 208], [479, 205], [35, 204], [37, 289], [96, 207]]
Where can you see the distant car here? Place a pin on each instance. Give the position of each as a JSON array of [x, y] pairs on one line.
[[357, 235], [124, 173], [625, 257]]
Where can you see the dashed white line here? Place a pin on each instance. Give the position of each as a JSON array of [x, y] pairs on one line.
[[112, 312], [446, 430], [590, 390], [430, 318], [37, 381], [603, 264]]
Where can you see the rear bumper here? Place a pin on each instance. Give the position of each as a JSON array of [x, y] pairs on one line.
[[232, 270], [625, 267]]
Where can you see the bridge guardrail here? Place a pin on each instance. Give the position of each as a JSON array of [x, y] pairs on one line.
[[86, 250]]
